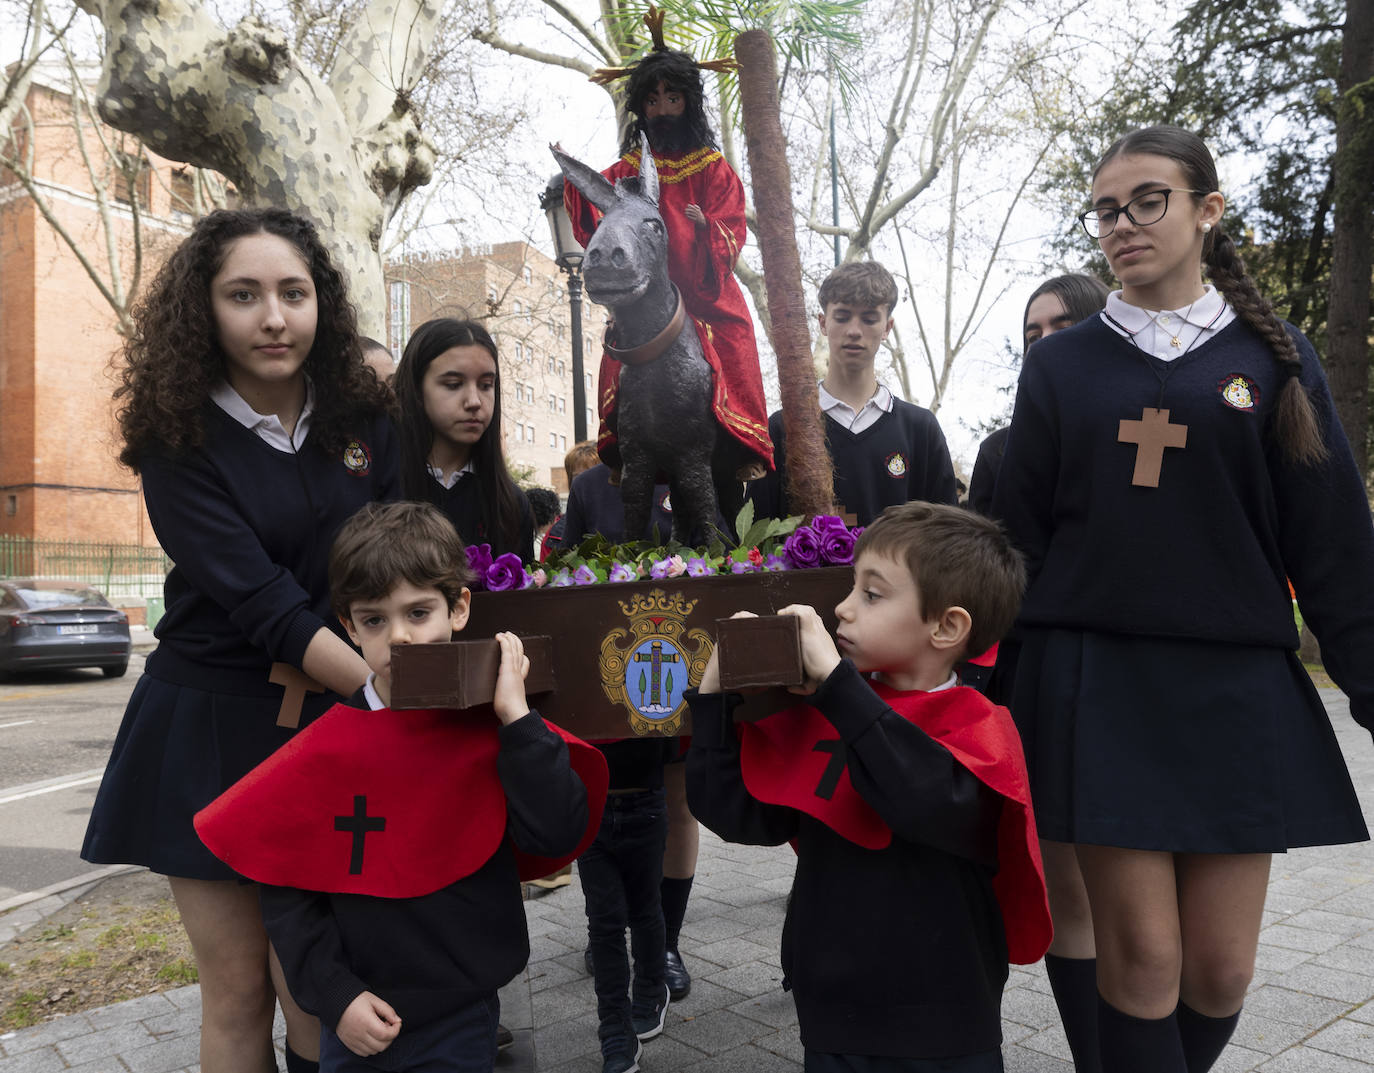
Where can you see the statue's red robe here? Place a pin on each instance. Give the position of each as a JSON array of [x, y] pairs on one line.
[[702, 267]]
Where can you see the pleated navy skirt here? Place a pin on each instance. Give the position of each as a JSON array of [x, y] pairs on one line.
[[178, 749], [1179, 745]]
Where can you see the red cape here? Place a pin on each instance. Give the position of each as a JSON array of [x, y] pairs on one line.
[[781, 767], [703, 269], [384, 803]]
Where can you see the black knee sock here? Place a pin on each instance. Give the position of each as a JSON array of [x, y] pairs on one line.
[[1204, 1038], [1137, 1044], [674, 894], [1074, 983], [296, 1064]]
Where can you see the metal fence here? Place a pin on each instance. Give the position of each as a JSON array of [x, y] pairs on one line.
[[115, 569]]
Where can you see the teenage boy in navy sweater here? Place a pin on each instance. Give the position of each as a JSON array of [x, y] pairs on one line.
[[918, 873], [884, 450], [414, 979]]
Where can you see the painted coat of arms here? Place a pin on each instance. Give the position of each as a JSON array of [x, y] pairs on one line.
[[648, 667]]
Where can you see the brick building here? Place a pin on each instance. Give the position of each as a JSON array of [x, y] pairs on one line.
[[521, 295], [60, 479], [59, 476]]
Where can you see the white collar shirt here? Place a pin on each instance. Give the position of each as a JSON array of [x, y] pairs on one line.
[[879, 403], [448, 480], [267, 427], [1169, 333]]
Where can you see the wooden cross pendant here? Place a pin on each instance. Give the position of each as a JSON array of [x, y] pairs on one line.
[[1151, 434], [295, 682]]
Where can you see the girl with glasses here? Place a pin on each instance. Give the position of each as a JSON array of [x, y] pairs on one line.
[[1172, 462]]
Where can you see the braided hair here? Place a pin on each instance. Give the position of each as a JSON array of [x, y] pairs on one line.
[[1295, 419]]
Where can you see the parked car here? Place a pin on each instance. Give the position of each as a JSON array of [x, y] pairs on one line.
[[47, 623]]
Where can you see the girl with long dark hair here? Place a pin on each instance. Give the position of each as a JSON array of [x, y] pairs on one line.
[[1172, 463], [448, 386], [257, 430]]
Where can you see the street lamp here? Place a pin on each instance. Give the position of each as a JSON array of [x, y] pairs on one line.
[[568, 255]]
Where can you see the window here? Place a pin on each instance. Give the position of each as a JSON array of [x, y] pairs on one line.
[[561, 368], [587, 377], [553, 404], [552, 364], [399, 326], [183, 190], [562, 404], [517, 306], [553, 439], [133, 179], [527, 274], [519, 351], [563, 444]]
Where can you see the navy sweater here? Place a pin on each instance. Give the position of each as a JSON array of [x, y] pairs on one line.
[[900, 457], [463, 505], [249, 528], [430, 955], [898, 951], [1207, 553], [595, 506]]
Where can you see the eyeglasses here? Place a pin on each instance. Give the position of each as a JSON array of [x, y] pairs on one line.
[[1142, 211]]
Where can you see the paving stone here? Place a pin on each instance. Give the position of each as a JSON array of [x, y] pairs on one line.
[[174, 1023], [564, 1003], [134, 1009], [1349, 1039], [567, 1040], [715, 928], [1348, 958], [1018, 1060], [39, 1060], [554, 972], [727, 953], [1290, 938], [110, 1041], [785, 1043], [715, 1032], [1265, 1034], [746, 1059], [1295, 1007], [1279, 959], [1347, 927], [707, 995], [1329, 983], [750, 979], [31, 1039], [184, 997], [1310, 1060], [1033, 1008], [775, 1009], [164, 1057]]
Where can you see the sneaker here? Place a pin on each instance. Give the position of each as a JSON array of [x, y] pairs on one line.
[[675, 975], [648, 1020], [621, 1060], [504, 1037]]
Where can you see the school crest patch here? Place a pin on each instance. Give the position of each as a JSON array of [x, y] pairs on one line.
[[648, 667], [357, 459], [896, 464], [1239, 392]]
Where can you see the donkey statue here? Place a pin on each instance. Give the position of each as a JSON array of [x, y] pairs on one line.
[[665, 423]]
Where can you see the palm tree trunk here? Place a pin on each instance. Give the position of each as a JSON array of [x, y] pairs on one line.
[[810, 479]]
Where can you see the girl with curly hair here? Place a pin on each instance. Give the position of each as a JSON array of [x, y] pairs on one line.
[[257, 430], [1172, 462], [448, 387]]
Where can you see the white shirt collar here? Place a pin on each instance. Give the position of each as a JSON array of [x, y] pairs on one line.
[[374, 702], [448, 480], [1154, 330], [267, 427], [839, 411], [953, 681]]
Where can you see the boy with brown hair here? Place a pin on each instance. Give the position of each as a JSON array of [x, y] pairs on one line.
[[918, 872], [884, 450], [397, 924]]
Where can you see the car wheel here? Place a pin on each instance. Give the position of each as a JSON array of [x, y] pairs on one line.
[[115, 670]]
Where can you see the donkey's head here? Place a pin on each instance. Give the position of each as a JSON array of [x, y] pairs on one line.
[[629, 251]]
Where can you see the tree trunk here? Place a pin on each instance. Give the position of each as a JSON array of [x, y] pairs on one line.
[[1348, 352], [241, 103], [810, 478]]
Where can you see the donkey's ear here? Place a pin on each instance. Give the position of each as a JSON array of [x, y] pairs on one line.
[[593, 185], [648, 170]]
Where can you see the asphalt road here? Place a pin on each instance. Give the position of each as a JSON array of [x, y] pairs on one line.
[[56, 729]]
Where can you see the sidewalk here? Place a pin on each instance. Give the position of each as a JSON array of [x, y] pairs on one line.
[[1306, 1012]]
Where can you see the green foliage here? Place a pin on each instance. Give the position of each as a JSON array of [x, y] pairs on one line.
[[81, 959], [60, 931], [179, 972], [23, 1011], [809, 34]]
